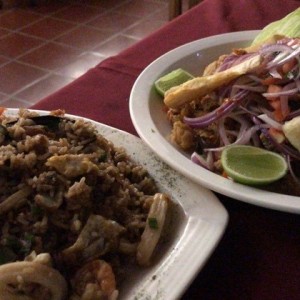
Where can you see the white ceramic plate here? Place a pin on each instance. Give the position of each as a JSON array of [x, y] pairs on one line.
[[198, 222], [149, 119]]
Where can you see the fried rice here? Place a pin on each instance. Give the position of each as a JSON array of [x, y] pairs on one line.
[[74, 210]]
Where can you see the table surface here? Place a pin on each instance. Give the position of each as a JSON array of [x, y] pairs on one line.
[[259, 254]]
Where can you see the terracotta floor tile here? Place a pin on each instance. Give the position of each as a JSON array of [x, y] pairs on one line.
[[114, 22], [160, 15], [144, 28], [15, 76], [3, 97], [87, 32], [140, 8], [15, 103], [115, 45], [83, 37], [51, 56], [3, 60], [18, 18], [50, 7], [48, 28], [43, 88], [81, 65], [96, 3], [3, 32], [105, 4], [16, 44], [78, 13]]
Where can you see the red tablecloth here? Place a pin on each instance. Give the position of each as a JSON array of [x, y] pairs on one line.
[[259, 255]]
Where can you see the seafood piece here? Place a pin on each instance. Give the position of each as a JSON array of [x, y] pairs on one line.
[[31, 281], [97, 237], [50, 122], [16, 200], [42, 258], [95, 281], [71, 165], [154, 226], [201, 86]]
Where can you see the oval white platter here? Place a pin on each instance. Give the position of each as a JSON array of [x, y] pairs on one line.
[[150, 120], [197, 224]]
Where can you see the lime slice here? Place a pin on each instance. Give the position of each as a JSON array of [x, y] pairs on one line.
[[251, 165], [171, 79]]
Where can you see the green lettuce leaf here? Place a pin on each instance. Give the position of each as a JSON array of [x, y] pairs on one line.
[[288, 26]]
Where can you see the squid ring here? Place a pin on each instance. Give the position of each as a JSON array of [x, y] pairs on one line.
[[12, 274]]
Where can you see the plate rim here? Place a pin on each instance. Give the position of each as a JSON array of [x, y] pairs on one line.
[[152, 137], [216, 221]]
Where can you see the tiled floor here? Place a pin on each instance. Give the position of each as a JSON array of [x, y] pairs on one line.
[[43, 48]]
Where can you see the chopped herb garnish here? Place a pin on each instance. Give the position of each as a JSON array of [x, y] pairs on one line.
[[153, 223], [103, 156]]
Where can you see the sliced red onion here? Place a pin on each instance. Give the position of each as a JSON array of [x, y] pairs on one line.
[[284, 149], [222, 133], [290, 90], [204, 121], [268, 120], [247, 135], [266, 111], [284, 99], [200, 160], [274, 48], [282, 59], [255, 78], [243, 122], [233, 60], [257, 89], [210, 160], [275, 74], [293, 114], [250, 111], [244, 137]]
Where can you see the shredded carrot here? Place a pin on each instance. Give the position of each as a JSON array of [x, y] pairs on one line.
[[2, 109], [288, 66], [277, 134], [278, 116], [273, 88], [224, 174], [270, 81], [275, 104]]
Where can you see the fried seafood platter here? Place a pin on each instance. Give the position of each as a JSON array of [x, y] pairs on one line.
[[74, 209], [249, 96]]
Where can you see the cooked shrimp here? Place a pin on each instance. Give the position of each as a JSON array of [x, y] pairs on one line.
[[154, 226], [98, 236], [95, 281]]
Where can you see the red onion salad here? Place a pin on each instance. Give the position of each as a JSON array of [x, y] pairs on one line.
[[253, 108]]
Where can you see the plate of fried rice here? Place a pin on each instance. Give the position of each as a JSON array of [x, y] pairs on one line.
[[90, 212], [155, 122]]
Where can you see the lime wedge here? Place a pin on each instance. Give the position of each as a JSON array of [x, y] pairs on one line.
[[171, 79], [251, 165]]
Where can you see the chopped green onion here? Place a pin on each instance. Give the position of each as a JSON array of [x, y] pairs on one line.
[[153, 223]]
